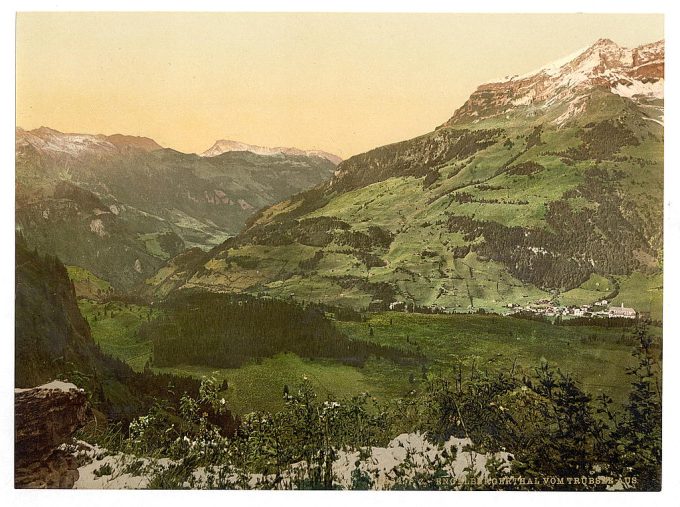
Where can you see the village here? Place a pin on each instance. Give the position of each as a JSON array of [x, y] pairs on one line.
[[542, 308], [599, 309]]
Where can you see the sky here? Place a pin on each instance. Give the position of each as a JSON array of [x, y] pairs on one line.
[[344, 83]]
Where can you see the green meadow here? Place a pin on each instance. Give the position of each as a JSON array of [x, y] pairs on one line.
[[467, 343], [114, 328]]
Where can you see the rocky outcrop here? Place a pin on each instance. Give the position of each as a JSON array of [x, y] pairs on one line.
[[45, 417]]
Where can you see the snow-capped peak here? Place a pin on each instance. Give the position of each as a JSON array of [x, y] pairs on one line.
[[550, 69], [225, 145], [636, 73]]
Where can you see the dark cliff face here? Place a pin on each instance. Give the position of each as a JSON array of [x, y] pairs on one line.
[[53, 341], [50, 331]]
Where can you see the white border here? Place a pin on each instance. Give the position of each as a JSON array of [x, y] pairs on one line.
[[671, 478]]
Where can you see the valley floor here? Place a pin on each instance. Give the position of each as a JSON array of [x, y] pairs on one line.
[[596, 356]]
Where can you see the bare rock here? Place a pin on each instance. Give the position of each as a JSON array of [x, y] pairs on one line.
[[44, 418]]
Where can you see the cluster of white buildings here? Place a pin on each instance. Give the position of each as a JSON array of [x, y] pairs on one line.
[[543, 307], [602, 309]]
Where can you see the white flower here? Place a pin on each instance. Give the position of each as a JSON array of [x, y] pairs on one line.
[[223, 401]]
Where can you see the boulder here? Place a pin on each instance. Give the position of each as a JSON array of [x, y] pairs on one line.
[[45, 417]]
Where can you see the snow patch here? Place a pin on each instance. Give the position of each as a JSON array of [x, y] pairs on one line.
[[576, 106], [633, 88], [46, 139], [524, 101], [655, 121]]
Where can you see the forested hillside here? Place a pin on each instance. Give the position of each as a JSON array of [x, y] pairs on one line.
[[226, 331]]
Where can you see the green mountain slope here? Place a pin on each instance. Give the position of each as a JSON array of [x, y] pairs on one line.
[[517, 198]]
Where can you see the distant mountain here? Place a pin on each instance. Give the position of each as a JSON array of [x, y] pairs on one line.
[[120, 206], [543, 186], [224, 146], [49, 141]]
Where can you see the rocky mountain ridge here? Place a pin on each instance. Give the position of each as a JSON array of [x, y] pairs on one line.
[[47, 140], [636, 73]]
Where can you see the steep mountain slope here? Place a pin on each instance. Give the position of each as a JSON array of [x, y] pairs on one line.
[[120, 206], [50, 331], [53, 340], [535, 184]]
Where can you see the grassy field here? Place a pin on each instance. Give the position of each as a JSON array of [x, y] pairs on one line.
[[114, 327], [644, 293], [594, 289], [259, 386], [87, 284], [596, 356]]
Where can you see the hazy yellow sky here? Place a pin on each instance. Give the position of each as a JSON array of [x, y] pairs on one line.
[[344, 83]]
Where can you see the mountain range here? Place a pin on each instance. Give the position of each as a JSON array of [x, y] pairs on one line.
[[224, 146], [121, 206], [546, 185]]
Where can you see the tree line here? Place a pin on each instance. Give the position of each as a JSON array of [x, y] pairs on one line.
[[224, 330]]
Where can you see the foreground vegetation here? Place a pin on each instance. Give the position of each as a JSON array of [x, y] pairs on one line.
[[551, 427]]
